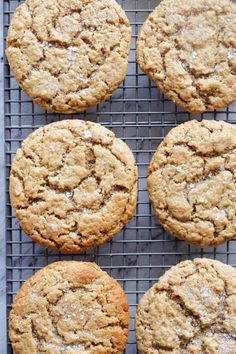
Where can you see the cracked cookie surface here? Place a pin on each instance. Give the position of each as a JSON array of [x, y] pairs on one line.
[[192, 185], [73, 185], [191, 310], [69, 307], [69, 55], [188, 48]]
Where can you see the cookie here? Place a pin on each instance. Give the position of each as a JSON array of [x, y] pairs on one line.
[[188, 48], [190, 310], [69, 307], [73, 185], [191, 182], [69, 55]]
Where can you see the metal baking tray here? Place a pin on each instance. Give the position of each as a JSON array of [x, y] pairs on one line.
[[137, 113]]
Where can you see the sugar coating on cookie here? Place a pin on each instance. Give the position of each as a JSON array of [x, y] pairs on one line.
[[191, 182], [190, 310], [188, 48], [73, 185], [69, 307], [69, 55]]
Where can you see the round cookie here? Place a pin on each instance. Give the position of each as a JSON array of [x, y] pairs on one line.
[[188, 48], [190, 310], [70, 307], [69, 55], [191, 182], [73, 185]]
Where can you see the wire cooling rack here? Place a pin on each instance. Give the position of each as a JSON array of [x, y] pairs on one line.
[[142, 116]]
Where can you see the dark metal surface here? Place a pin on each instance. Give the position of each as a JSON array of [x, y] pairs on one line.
[[142, 116]]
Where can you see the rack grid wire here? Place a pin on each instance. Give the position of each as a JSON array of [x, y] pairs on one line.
[[140, 115]]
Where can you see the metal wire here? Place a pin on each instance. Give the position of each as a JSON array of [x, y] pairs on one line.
[[142, 116]]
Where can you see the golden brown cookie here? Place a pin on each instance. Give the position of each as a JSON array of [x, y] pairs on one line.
[[69, 55], [69, 307], [191, 182], [73, 185], [191, 310], [188, 48]]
